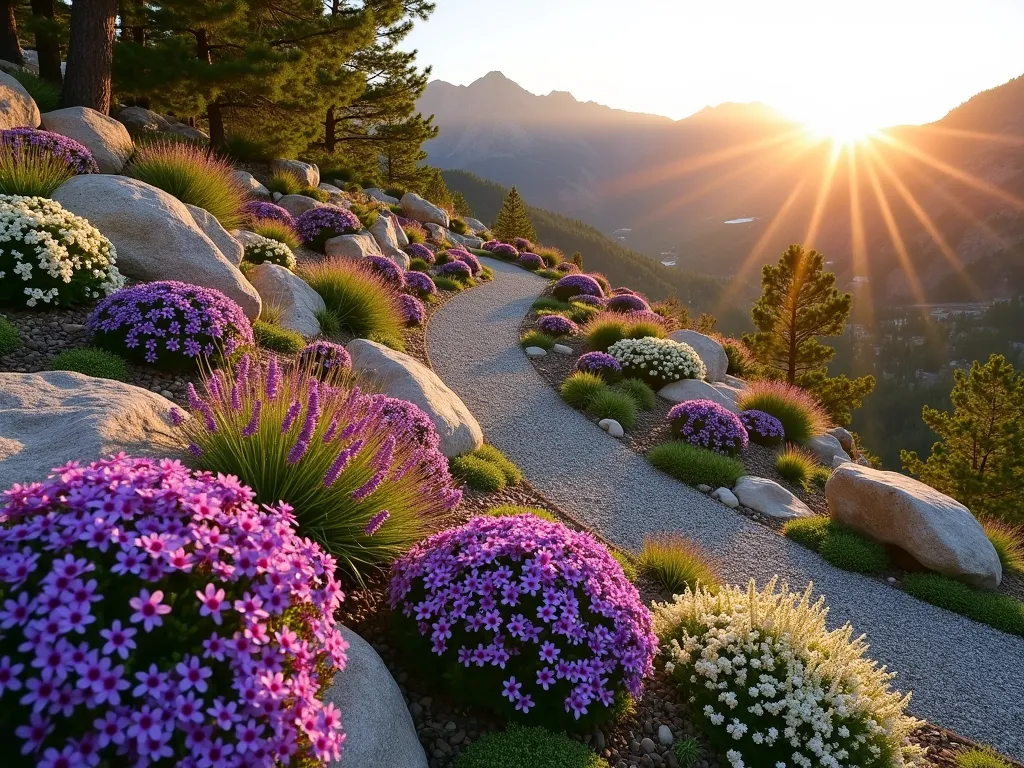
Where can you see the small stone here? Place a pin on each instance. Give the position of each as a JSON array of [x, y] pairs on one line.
[[665, 735], [450, 727], [647, 745], [167, 393], [562, 349], [457, 738], [416, 710], [891, 579], [277, 196], [535, 352], [74, 327], [704, 488], [727, 497], [612, 427]]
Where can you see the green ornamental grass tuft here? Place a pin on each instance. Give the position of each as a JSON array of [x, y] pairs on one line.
[[628, 564], [549, 274], [537, 339], [362, 302], [10, 338], [801, 414], [278, 339], [478, 473], [273, 229], [330, 324], [416, 235], [979, 757], [676, 563], [92, 362], [795, 465], [611, 404], [509, 510], [550, 303], [285, 183], [687, 752], [447, 284], [580, 389], [602, 333], [520, 747], [418, 265], [808, 531], [581, 314], [997, 610], [696, 466], [641, 393], [32, 172], [193, 175], [1008, 541]]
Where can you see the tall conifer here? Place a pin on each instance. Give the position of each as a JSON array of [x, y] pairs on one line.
[[513, 219]]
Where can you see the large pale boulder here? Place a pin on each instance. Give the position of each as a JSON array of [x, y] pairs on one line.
[[189, 132], [357, 246], [416, 207], [155, 235], [696, 389], [289, 293], [17, 109], [439, 234], [469, 242], [826, 448], [140, 119], [937, 531], [297, 205], [769, 498], [384, 233], [251, 184], [404, 377], [379, 730], [844, 437], [307, 173], [475, 225], [709, 350], [728, 391], [48, 419], [379, 194], [105, 137], [229, 247]]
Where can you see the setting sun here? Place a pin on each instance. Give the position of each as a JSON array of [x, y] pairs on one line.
[[841, 129]]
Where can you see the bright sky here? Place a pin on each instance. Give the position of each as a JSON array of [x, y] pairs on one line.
[[837, 64]]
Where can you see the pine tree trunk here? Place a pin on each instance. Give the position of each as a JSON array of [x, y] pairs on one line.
[[90, 54], [330, 131], [10, 47], [47, 45], [214, 113]]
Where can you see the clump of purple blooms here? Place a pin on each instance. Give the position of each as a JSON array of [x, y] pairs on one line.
[[456, 270], [170, 324], [522, 244], [643, 316], [75, 155], [568, 267], [410, 417], [707, 424], [262, 210], [325, 356], [388, 270], [505, 251], [153, 615], [419, 284], [468, 258], [623, 291], [763, 428], [590, 301], [557, 325], [571, 286], [600, 364], [530, 261], [419, 251], [318, 225], [626, 302], [543, 613], [489, 245], [412, 309]]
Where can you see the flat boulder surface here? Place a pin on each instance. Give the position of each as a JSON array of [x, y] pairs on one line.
[[17, 109], [769, 498], [107, 138], [297, 302], [421, 210]]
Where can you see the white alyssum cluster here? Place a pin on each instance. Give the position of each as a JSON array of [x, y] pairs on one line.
[[765, 672], [662, 360], [41, 243], [260, 249]]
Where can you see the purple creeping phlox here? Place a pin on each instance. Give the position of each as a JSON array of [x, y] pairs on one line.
[[419, 251], [419, 284], [457, 270], [413, 311], [571, 286], [468, 258], [531, 261], [155, 615], [388, 270], [557, 325], [318, 225], [567, 267], [504, 250], [599, 363], [76, 155], [763, 428], [522, 244], [545, 614], [709, 425], [627, 302], [262, 210]]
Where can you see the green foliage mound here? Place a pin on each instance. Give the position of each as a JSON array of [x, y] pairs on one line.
[[537, 339], [509, 510], [795, 465], [639, 391], [278, 339], [520, 747], [362, 302], [997, 610], [443, 283], [92, 362], [801, 415], [580, 389], [486, 469], [512, 473], [10, 338], [696, 466], [979, 757], [841, 546], [676, 564], [612, 404]]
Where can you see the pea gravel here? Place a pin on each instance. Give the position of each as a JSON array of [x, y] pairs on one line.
[[964, 676]]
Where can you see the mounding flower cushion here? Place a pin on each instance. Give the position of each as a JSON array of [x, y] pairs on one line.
[[260, 209], [323, 356], [707, 424], [504, 251], [522, 244], [457, 270], [626, 302], [557, 325], [419, 284], [387, 269], [75, 154], [600, 364], [526, 618], [531, 261], [571, 286], [153, 615], [51, 257], [169, 324], [467, 258], [259, 249], [567, 267], [318, 225], [418, 251], [413, 311], [657, 361], [763, 428]]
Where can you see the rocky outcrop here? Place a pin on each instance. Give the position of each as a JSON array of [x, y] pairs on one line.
[[844, 437], [229, 247], [696, 389], [439, 234], [297, 303], [404, 377], [378, 194], [475, 225], [769, 498], [352, 246], [297, 205], [48, 419], [251, 185], [155, 235], [385, 234], [937, 531], [826, 449], [468, 242], [105, 137], [417, 208], [307, 173], [379, 730], [709, 350], [17, 109], [140, 120]]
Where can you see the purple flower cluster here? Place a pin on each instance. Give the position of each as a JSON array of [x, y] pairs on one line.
[[419, 251], [318, 225], [557, 325], [388, 270], [623, 291], [626, 302], [419, 284], [169, 324], [571, 286], [505, 251], [412, 309], [763, 428], [522, 244], [544, 613], [261, 210], [403, 415], [152, 615], [530, 261], [456, 270], [468, 258], [568, 267], [489, 245], [75, 155], [325, 356], [600, 364], [709, 425], [590, 301]]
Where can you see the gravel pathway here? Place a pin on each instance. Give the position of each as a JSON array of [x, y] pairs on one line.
[[965, 676]]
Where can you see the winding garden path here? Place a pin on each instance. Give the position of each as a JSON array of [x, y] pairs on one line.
[[965, 676]]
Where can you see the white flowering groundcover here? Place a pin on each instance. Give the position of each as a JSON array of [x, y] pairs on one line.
[[261, 249], [774, 688], [50, 255], [658, 361]]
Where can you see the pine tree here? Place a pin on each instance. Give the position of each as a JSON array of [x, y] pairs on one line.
[[799, 302], [979, 458], [398, 144], [436, 190], [90, 55], [461, 205], [10, 45], [577, 259], [513, 219]]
